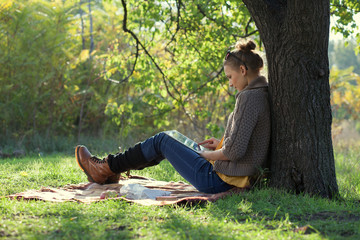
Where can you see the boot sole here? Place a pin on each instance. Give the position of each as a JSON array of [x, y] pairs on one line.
[[80, 165]]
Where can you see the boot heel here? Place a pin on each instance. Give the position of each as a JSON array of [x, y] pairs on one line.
[[77, 157]]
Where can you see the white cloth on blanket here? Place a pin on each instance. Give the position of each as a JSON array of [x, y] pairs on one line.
[[136, 191]]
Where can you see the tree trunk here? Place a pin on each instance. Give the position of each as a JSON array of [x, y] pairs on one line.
[[91, 31], [82, 26], [295, 34], [89, 65]]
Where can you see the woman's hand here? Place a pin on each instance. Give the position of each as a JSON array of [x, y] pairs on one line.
[[213, 155], [210, 143]]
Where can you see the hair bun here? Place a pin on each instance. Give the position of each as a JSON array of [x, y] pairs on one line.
[[245, 55], [246, 47]]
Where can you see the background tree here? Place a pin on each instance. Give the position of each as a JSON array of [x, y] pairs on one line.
[[342, 55], [45, 70], [345, 91], [33, 65]]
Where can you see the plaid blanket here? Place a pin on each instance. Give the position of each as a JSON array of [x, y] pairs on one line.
[[178, 193]]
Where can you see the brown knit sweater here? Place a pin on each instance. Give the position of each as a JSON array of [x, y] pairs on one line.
[[247, 134]]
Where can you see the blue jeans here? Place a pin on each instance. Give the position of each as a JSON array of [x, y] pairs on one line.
[[189, 164]]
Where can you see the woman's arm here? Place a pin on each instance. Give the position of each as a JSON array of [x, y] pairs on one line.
[[213, 155]]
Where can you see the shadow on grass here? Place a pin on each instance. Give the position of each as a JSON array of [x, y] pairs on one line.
[[185, 226], [68, 220], [266, 212], [274, 209]]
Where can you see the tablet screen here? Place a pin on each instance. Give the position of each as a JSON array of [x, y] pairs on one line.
[[186, 141]]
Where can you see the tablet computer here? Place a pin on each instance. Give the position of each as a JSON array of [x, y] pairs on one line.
[[186, 141]]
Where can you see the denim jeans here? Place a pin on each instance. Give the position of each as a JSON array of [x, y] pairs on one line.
[[189, 164]]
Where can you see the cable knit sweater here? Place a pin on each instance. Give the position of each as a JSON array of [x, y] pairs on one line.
[[247, 134]]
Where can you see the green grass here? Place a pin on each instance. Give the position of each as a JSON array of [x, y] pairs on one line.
[[347, 163], [259, 214]]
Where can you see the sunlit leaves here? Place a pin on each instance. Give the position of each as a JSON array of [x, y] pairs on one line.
[[344, 10], [48, 76], [185, 44], [34, 63], [345, 94]]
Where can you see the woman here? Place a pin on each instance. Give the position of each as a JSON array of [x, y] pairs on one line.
[[238, 156]]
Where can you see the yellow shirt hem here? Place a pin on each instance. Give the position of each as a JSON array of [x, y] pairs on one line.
[[237, 181]]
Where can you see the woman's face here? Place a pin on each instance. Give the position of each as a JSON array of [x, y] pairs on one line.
[[236, 77]]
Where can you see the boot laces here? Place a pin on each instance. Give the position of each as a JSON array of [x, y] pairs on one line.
[[97, 160]]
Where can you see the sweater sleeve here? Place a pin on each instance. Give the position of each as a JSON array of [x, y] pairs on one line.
[[241, 126]]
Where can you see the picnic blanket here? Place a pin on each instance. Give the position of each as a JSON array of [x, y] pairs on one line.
[[168, 192]]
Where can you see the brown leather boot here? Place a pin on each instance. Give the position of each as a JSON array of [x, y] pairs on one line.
[[113, 179], [97, 170], [110, 180]]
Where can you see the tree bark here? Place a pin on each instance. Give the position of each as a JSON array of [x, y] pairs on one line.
[[295, 34]]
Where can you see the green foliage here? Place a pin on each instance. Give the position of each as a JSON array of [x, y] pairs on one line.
[[345, 94], [160, 69], [179, 71], [344, 11], [343, 56], [52, 83], [34, 38]]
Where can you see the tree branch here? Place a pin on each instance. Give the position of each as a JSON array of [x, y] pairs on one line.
[[198, 51], [148, 54], [213, 20], [132, 71], [204, 84], [178, 5], [236, 36], [248, 25]]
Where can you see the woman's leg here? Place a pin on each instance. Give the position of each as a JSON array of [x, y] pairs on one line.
[[195, 169], [190, 165]]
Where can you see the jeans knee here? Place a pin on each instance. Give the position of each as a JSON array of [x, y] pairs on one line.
[[160, 134], [157, 141]]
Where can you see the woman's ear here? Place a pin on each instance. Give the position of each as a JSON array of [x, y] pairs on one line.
[[243, 70]]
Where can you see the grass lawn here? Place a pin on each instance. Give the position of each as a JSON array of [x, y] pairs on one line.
[[258, 214]]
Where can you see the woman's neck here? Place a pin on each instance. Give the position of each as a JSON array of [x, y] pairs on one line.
[[251, 76]]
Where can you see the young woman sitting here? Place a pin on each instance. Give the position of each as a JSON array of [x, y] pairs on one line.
[[238, 156]]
